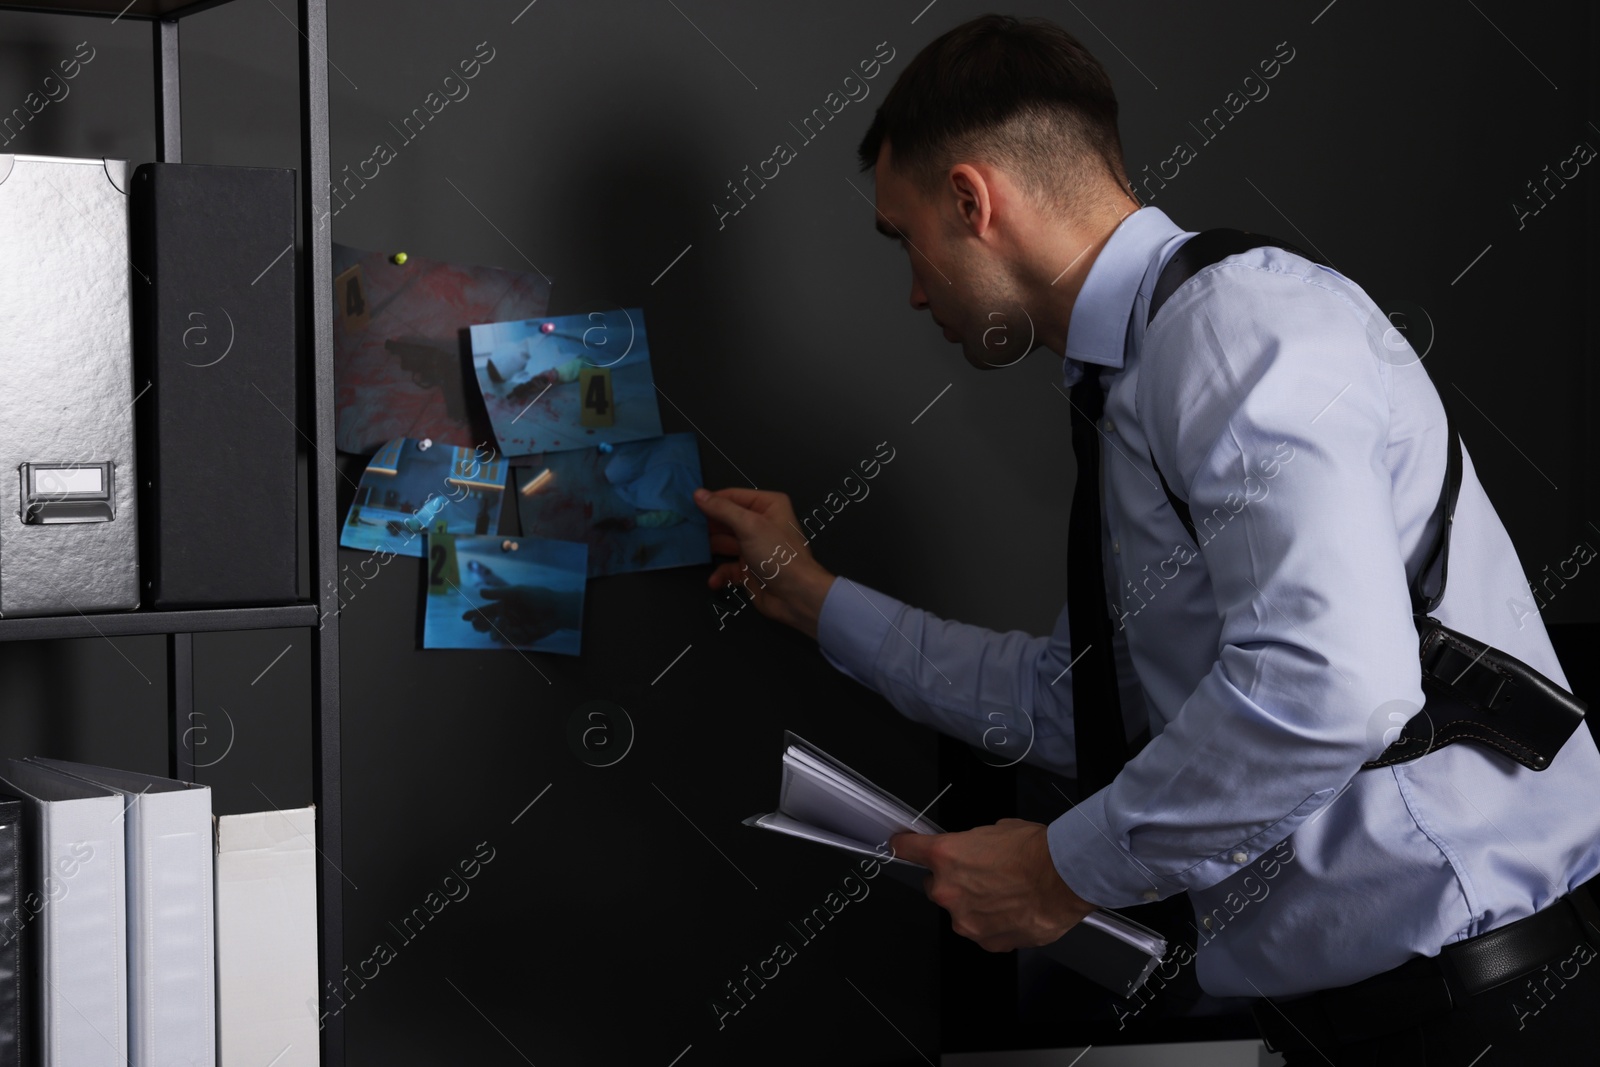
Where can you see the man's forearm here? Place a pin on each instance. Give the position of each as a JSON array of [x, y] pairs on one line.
[[986, 688]]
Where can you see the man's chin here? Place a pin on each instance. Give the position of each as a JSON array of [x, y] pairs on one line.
[[976, 356], [987, 358]]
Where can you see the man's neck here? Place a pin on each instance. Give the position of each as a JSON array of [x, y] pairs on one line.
[[1076, 250]]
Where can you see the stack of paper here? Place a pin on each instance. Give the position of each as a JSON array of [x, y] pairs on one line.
[[824, 801]]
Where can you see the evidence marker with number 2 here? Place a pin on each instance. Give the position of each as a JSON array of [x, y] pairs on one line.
[[444, 576]]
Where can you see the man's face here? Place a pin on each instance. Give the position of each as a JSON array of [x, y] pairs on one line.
[[961, 278]]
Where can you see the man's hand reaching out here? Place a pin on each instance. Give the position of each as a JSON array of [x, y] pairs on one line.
[[998, 883], [774, 568]]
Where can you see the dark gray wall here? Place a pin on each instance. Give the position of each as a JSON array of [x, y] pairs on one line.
[[593, 145]]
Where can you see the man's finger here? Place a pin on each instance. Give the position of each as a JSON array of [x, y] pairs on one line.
[[724, 544], [729, 574], [913, 846], [755, 499], [729, 512]]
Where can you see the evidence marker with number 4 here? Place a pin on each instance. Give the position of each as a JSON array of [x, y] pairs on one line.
[[350, 299], [599, 404]]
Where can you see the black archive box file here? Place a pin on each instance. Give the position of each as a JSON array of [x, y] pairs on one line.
[[214, 339], [18, 905]]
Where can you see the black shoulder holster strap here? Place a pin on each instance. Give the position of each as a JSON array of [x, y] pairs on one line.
[[1472, 691]]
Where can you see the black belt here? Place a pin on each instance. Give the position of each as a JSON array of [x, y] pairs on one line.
[[1427, 986]]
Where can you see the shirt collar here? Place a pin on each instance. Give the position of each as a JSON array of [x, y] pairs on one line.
[[1098, 330]]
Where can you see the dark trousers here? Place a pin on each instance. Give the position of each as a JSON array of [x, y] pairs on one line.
[[1550, 1014], [1503, 1027]]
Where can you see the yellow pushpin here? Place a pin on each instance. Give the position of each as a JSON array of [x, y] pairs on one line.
[[398, 259]]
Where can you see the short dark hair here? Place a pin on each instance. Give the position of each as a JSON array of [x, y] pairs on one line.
[[1021, 93]]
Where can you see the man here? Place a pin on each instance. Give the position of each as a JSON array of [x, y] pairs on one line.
[[1271, 663]]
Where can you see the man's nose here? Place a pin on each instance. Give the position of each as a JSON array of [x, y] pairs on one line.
[[919, 299]]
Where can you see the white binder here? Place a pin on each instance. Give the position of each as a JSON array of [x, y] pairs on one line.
[[77, 849], [171, 950]]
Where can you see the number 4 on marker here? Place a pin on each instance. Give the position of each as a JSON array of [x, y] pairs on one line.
[[350, 298], [599, 405]]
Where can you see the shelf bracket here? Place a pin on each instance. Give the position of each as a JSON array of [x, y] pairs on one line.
[[180, 706], [169, 119]]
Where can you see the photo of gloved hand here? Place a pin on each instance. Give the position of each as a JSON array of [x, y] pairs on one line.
[[523, 614]]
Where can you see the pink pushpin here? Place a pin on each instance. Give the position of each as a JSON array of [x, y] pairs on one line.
[[547, 327]]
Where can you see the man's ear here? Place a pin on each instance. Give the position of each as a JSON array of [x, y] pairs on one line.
[[973, 197]]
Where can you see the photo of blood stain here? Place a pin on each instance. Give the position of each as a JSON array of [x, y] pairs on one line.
[[632, 504]]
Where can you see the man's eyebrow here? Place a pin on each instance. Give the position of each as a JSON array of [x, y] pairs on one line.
[[887, 230]]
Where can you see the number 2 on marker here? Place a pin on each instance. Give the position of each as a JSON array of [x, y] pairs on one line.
[[443, 573]]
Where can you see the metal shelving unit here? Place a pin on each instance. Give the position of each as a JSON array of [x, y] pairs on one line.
[[320, 614]]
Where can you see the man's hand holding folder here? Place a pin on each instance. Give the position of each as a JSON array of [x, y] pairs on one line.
[[998, 883]]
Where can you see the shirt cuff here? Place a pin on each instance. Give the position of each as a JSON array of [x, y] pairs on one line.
[[1085, 853], [1095, 862], [852, 625]]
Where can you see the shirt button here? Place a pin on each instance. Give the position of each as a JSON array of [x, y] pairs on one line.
[[1206, 922], [1151, 894], [1116, 546], [1239, 857], [1108, 426]]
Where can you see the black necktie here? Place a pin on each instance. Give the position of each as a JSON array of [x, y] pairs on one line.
[[1100, 739]]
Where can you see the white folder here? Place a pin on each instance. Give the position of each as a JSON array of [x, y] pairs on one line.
[[267, 939], [77, 846], [171, 950]]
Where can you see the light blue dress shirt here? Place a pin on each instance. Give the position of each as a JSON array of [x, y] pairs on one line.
[[1310, 444]]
